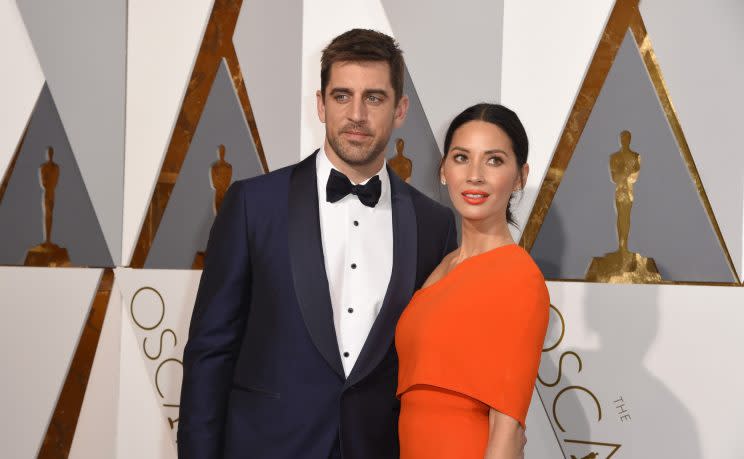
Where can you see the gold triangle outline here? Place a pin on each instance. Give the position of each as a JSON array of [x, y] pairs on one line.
[[62, 426], [216, 46], [625, 16], [11, 165]]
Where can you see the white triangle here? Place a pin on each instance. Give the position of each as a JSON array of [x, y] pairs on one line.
[[163, 41], [142, 432], [541, 440], [81, 47], [20, 83], [41, 317], [95, 434], [158, 304], [547, 49]]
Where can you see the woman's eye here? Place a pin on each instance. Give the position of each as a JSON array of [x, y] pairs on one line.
[[495, 160], [459, 158]]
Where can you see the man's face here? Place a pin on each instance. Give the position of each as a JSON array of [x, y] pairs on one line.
[[359, 110]]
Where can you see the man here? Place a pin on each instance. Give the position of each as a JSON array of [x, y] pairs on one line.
[[290, 351]]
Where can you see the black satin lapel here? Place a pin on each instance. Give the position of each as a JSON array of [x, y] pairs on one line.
[[308, 266], [401, 286]]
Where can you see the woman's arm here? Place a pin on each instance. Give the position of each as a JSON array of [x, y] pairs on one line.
[[506, 437]]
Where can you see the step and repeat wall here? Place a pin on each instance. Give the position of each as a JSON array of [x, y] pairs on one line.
[[124, 122]]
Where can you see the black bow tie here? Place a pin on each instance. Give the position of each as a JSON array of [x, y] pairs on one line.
[[339, 186]]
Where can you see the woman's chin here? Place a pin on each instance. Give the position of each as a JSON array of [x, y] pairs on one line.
[[475, 215]]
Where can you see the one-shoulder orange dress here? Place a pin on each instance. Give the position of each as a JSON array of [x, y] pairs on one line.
[[466, 343]]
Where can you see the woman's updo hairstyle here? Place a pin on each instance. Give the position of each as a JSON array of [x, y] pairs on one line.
[[505, 119]]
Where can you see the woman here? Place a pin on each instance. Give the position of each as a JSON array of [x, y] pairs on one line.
[[469, 342]]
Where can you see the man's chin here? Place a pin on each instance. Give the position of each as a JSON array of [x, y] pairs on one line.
[[359, 156], [358, 160]]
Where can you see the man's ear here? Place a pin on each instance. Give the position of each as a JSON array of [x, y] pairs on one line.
[[321, 105], [401, 111]]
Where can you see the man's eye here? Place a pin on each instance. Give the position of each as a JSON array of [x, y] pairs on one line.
[[374, 99], [341, 97]]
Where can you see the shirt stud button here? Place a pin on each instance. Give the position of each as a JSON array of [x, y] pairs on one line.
[[346, 354], [353, 266], [350, 310], [356, 223]]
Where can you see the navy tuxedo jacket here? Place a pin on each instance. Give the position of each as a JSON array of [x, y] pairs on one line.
[[262, 372]]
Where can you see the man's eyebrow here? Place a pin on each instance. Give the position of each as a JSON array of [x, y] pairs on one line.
[[376, 91], [337, 90]]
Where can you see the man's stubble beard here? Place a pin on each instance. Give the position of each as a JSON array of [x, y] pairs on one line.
[[366, 158]]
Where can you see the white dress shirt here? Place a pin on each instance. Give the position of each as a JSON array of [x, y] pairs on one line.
[[358, 254]]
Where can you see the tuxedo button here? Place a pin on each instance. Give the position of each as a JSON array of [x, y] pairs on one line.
[[346, 354], [353, 266]]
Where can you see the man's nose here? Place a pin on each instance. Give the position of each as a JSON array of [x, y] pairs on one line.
[[358, 112]]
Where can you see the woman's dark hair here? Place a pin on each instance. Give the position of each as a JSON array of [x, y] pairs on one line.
[[505, 119]]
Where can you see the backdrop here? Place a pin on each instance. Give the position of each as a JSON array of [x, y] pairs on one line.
[[121, 121]]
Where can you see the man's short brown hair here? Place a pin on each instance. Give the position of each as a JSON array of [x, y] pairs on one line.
[[360, 45]]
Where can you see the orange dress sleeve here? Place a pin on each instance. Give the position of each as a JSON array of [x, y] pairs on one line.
[[479, 331]]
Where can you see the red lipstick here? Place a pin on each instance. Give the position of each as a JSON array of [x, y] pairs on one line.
[[474, 197]]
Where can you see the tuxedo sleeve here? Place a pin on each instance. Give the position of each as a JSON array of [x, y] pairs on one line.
[[451, 241], [216, 331]]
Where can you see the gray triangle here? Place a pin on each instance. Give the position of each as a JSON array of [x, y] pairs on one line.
[[75, 225], [668, 220], [275, 66], [471, 71], [420, 147], [81, 47], [184, 229]]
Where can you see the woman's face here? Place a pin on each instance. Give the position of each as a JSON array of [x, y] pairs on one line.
[[481, 171]]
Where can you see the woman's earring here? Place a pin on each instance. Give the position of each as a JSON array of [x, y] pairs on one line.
[[443, 182]]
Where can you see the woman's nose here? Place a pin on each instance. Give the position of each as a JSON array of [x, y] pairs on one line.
[[475, 173]]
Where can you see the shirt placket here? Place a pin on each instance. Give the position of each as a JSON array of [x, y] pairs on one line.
[[350, 308]]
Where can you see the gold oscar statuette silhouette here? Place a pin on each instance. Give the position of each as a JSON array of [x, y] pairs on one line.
[[48, 253], [623, 266], [591, 455], [220, 178], [402, 166]]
